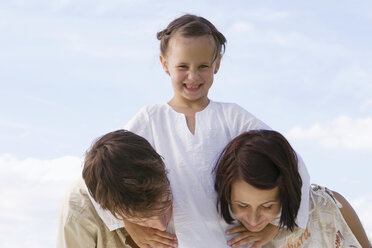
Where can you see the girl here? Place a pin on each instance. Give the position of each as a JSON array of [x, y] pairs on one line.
[[190, 132], [257, 180]]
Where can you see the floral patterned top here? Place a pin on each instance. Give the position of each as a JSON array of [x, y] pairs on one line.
[[326, 226]]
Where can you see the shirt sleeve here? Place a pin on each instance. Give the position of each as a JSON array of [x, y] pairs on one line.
[[140, 125], [73, 234], [240, 120], [77, 226], [303, 212]]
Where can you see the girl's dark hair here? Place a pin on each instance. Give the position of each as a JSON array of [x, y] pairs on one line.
[[191, 26], [126, 176], [264, 159]]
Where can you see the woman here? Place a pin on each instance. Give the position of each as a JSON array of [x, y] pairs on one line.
[[258, 183]]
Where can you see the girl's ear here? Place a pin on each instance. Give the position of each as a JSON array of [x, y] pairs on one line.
[[163, 62], [218, 62]]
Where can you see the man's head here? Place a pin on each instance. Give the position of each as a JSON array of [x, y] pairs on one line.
[[126, 176]]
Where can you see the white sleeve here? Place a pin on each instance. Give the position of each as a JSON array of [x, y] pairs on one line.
[[240, 120], [140, 125], [303, 212]]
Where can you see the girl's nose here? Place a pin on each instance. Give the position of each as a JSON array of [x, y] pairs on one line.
[[193, 75]]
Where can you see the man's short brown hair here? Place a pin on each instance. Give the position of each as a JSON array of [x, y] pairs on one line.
[[126, 176]]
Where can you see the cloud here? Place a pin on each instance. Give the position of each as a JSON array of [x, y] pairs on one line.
[[33, 190], [342, 132], [42, 171]]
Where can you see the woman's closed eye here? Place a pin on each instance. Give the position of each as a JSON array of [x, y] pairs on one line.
[[242, 205], [267, 206]]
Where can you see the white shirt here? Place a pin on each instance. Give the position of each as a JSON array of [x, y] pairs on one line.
[[190, 159]]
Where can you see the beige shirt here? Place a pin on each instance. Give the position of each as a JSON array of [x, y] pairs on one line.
[[326, 226], [80, 225]]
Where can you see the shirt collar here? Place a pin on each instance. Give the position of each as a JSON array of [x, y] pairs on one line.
[[107, 217]]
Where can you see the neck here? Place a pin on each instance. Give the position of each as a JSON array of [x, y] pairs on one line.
[[187, 107]]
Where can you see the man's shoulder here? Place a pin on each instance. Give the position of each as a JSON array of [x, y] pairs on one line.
[[77, 204]]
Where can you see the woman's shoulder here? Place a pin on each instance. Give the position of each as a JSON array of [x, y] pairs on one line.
[[322, 197]]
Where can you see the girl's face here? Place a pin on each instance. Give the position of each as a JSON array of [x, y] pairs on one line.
[[189, 62], [254, 208]]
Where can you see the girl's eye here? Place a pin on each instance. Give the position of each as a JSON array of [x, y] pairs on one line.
[[203, 66], [182, 66]]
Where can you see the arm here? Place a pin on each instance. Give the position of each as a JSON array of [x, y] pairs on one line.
[[147, 237], [246, 237], [77, 224], [352, 220]]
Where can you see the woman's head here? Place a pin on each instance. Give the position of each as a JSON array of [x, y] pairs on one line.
[[191, 51], [257, 176]]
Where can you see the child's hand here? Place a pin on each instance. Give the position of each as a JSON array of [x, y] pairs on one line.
[[260, 238], [147, 237]]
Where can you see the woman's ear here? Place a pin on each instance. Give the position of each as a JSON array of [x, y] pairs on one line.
[[218, 62], [164, 64]]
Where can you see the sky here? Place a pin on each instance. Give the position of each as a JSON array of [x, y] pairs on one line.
[[71, 71]]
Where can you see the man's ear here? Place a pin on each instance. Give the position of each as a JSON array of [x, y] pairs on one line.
[[218, 62], [164, 64]]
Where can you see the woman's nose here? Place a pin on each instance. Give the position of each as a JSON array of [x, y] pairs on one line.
[[253, 218], [250, 217]]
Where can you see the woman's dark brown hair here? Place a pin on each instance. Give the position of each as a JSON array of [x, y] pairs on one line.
[[191, 26], [126, 176], [264, 159]]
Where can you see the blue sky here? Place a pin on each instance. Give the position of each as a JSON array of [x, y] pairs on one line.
[[71, 71]]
